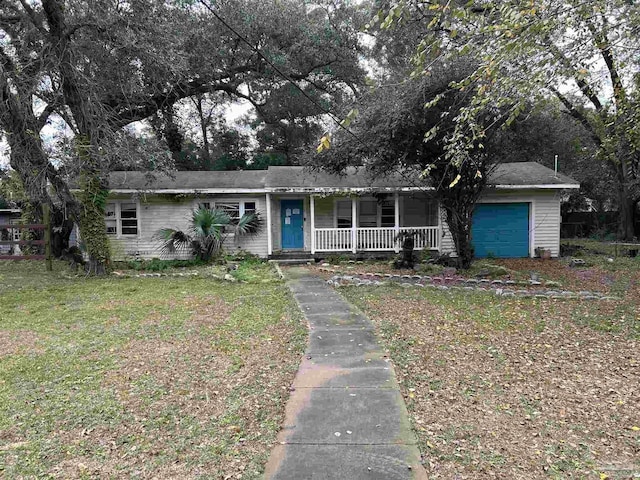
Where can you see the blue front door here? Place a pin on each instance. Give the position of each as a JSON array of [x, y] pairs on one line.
[[292, 221]]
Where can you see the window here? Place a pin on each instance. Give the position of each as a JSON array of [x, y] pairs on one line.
[[368, 213], [419, 211], [343, 213], [387, 214], [110, 219], [230, 208], [236, 210], [121, 218], [249, 208], [129, 219]]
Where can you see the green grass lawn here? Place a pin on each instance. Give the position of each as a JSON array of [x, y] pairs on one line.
[[142, 377], [533, 388]]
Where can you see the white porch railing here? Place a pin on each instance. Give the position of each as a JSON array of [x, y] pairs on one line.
[[372, 239], [332, 239], [428, 240]]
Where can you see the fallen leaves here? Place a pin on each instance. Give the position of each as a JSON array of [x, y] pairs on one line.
[[507, 398]]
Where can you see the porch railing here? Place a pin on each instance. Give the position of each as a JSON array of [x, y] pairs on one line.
[[428, 240], [372, 239], [333, 239]]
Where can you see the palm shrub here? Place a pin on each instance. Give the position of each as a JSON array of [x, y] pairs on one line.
[[207, 233]]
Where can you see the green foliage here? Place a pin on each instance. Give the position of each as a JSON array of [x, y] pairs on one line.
[[578, 58], [92, 197], [336, 258], [159, 265], [11, 188], [390, 135], [207, 233]]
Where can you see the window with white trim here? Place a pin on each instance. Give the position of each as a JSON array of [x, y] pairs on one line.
[[121, 218], [236, 210], [230, 208], [249, 208], [374, 213]]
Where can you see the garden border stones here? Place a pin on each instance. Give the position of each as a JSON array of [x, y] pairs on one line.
[[504, 288]]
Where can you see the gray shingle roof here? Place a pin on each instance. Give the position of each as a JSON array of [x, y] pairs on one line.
[[517, 175], [198, 180], [527, 173], [354, 177]]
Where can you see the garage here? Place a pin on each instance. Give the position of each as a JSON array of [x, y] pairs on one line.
[[500, 230]]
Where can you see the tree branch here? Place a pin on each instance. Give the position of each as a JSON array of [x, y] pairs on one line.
[[604, 46], [585, 88], [33, 16], [579, 116]]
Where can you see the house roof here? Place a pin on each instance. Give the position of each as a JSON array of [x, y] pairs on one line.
[[355, 178], [521, 175], [179, 182], [529, 175]]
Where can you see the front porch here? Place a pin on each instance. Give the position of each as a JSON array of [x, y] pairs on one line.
[[351, 224]]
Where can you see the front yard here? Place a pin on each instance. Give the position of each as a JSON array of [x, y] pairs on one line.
[[522, 388], [171, 377]]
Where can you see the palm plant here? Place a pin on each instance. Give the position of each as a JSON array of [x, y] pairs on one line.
[[207, 233]]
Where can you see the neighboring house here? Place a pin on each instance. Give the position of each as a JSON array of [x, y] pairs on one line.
[[316, 213], [9, 215]]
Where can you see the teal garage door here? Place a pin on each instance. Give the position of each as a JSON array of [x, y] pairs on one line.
[[501, 230]]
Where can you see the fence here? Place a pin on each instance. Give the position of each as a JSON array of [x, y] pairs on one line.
[[46, 242]]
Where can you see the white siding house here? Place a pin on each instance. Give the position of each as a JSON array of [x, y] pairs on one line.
[[316, 213]]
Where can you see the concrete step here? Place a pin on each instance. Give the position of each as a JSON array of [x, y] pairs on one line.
[[300, 260]]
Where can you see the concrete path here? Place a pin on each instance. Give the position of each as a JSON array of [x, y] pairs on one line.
[[346, 418]]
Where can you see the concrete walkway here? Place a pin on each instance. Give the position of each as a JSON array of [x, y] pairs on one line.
[[346, 418]]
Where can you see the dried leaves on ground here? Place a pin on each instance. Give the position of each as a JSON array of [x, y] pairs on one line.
[[516, 388], [146, 378]]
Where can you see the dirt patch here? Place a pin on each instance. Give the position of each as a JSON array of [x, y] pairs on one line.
[[540, 397], [17, 342]]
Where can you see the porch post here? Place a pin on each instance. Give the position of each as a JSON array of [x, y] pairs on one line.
[[354, 228], [312, 207], [396, 211], [269, 235], [439, 239]]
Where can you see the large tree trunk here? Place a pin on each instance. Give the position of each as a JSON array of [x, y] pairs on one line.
[[93, 198], [626, 201], [91, 125], [626, 215], [459, 222], [29, 160]]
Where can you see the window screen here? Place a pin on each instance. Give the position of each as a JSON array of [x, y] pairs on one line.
[[368, 216], [343, 213]]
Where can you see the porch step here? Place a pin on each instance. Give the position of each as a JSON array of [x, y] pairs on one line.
[[293, 261], [292, 258]]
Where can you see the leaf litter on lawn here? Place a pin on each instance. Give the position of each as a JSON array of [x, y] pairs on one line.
[[152, 378], [509, 388]]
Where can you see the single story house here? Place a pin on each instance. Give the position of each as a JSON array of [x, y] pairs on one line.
[[315, 213]]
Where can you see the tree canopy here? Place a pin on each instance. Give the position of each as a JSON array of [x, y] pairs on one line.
[[100, 66], [580, 55]]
